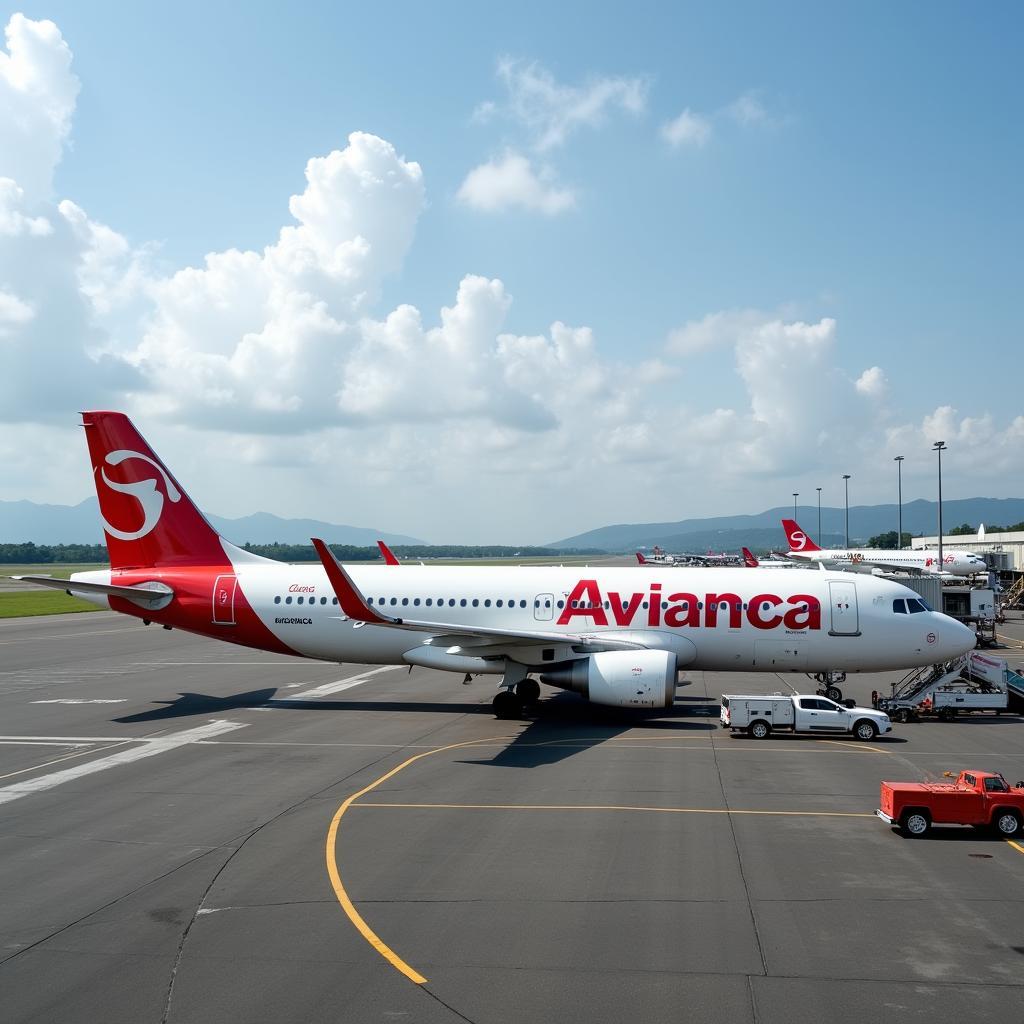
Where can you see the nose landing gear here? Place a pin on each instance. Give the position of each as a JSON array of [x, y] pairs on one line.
[[828, 685]]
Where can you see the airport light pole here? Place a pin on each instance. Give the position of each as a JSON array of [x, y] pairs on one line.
[[899, 499], [846, 484], [939, 447], [818, 489], [796, 494]]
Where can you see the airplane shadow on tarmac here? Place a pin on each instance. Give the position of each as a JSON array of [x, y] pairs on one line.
[[556, 727]]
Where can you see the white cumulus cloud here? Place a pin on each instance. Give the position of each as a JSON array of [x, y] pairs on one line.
[[280, 357], [688, 129], [512, 183], [872, 382], [37, 99], [748, 109], [550, 110]]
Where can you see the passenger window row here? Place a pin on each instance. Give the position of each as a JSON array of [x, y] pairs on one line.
[[463, 602]]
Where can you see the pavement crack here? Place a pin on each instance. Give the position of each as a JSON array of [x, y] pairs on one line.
[[106, 906], [731, 819], [241, 841]]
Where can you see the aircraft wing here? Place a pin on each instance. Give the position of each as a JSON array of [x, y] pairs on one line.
[[354, 605], [143, 593]]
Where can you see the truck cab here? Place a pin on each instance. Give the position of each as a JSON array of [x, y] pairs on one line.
[[981, 799]]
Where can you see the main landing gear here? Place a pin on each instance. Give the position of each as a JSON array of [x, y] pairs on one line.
[[509, 702], [828, 685]]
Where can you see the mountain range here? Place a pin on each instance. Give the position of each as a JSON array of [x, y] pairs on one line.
[[22, 521], [763, 530]]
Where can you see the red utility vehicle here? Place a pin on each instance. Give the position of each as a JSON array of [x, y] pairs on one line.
[[980, 799]]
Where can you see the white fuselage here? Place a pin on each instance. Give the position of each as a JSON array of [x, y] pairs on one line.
[[717, 619], [953, 563]]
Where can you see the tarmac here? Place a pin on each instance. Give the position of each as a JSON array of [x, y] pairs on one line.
[[194, 832]]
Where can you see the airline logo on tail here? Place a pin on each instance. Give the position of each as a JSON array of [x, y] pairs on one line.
[[749, 560], [145, 492], [798, 540]]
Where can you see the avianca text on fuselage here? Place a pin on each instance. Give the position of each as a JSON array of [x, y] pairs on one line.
[[683, 609]]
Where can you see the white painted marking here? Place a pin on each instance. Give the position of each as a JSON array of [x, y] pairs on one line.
[[41, 743], [152, 747], [63, 636], [338, 686], [82, 739], [82, 700], [209, 664]]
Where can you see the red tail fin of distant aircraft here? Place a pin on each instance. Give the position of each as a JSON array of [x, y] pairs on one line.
[[148, 519], [798, 540], [389, 555], [640, 558], [749, 560]]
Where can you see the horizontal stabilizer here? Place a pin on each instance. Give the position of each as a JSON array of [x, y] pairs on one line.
[[149, 595]]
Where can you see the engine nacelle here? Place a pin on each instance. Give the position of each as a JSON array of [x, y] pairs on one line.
[[620, 679]]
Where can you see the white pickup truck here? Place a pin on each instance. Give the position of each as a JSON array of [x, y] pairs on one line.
[[758, 716]]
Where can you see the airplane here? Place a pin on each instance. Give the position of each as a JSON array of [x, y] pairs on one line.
[[656, 557], [752, 562], [659, 557], [618, 636], [921, 561]]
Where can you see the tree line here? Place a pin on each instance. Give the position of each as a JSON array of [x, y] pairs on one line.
[[965, 529], [30, 554]]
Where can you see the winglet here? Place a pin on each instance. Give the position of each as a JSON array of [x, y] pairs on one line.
[[389, 555], [749, 560], [352, 602], [640, 558]]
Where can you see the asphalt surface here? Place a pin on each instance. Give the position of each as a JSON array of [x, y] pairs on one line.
[[166, 803]]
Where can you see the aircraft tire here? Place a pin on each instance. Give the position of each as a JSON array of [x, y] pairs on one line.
[[507, 705], [528, 691]]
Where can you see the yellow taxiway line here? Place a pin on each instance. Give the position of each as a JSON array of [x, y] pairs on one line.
[[332, 861], [618, 807]]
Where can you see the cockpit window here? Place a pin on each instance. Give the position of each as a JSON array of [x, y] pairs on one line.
[[899, 606], [915, 605]]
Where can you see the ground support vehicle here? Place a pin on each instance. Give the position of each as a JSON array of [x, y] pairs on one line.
[[976, 682], [981, 799], [760, 716]]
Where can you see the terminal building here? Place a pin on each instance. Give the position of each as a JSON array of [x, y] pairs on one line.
[[1003, 551]]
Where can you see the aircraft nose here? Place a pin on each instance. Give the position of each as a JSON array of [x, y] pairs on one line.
[[953, 638]]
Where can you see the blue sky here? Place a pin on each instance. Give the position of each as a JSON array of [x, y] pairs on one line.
[[859, 166]]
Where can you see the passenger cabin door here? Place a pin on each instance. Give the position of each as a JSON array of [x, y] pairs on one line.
[[543, 607], [845, 618], [224, 600]]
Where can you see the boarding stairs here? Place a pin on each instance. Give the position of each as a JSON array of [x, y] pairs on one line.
[[1015, 690], [1014, 597], [922, 682]]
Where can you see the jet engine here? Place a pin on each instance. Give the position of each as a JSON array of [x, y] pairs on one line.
[[619, 679]]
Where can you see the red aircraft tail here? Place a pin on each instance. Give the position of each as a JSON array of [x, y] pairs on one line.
[[640, 558], [749, 560], [148, 519], [798, 540]]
